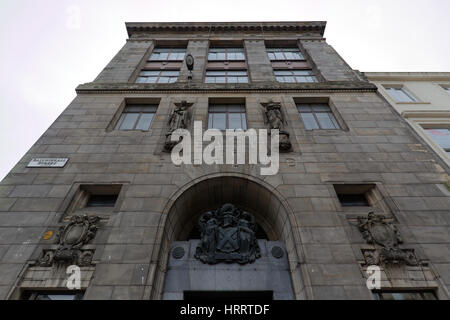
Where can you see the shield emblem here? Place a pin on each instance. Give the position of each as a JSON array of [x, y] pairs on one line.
[[383, 234], [227, 239]]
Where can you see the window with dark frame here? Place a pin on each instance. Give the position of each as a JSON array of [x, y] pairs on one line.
[[317, 116], [226, 76], [168, 54], [52, 295], [294, 76], [355, 195], [158, 76], [404, 295], [227, 116], [284, 54], [163, 66], [226, 65], [226, 54], [136, 117], [102, 200]]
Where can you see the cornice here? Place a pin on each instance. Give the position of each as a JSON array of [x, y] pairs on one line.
[[134, 28], [408, 76], [331, 86]]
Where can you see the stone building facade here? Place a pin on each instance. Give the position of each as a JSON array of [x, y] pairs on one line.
[[356, 186], [423, 99]]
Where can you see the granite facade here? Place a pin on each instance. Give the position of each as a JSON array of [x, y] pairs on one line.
[[159, 201]]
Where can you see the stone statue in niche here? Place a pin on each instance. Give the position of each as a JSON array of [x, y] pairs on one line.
[[79, 231], [378, 231], [276, 120], [227, 235], [178, 120]]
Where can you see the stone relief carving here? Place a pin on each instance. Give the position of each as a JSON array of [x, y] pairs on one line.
[[227, 235], [276, 120], [378, 231], [71, 237], [179, 119]]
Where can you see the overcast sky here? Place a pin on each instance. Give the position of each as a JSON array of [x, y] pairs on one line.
[[49, 47]]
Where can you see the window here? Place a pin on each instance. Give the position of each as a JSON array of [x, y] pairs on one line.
[[158, 76], [168, 54], [294, 76], [356, 195], [441, 136], [284, 54], [95, 199], [225, 54], [399, 94], [136, 117], [52, 295], [317, 116], [227, 116], [404, 295], [353, 200], [102, 200], [226, 76]]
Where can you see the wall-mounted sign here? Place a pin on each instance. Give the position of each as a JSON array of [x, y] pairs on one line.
[[47, 162]]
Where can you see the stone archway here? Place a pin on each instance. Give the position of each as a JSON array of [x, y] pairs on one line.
[[251, 194]]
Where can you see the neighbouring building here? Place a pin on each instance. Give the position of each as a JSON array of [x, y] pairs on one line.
[[357, 190], [423, 99]]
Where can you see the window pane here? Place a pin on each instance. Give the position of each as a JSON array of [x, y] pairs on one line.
[[144, 121], [309, 121], [234, 121], [221, 56], [289, 79], [324, 120], [271, 56], [232, 79], [243, 80], [122, 116], [129, 121], [210, 79], [240, 56], [141, 80], [440, 136], [219, 121], [399, 95], [218, 108], [163, 80], [279, 56], [220, 80]]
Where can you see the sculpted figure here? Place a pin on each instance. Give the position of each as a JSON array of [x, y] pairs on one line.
[[276, 121], [178, 120]]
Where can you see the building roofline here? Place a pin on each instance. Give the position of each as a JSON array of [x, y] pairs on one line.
[[408, 76], [289, 26]]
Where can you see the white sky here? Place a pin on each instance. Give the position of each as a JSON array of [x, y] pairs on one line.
[[49, 47]]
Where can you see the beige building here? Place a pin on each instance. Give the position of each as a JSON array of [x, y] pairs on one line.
[[423, 99], [99, 191]]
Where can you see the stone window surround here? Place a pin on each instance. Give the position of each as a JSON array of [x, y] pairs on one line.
[[377, 196], [325, 100], [131, 101], [73, 202]]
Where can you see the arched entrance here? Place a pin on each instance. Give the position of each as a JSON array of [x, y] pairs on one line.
[[249, 194]]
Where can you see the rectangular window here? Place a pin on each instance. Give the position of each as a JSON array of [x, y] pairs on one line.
[[441, 136], [52, 295], [227, 116], [294, 76], [355, 195], [168, 54], [404, 295], [276, 54], [226, 76], [158, 76], [136, 117], [102, 200], [317, 116], [399, 94], [226, 54]]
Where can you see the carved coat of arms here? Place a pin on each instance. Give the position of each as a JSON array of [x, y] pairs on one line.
[[378, 231], [70, 238], [227, 235]]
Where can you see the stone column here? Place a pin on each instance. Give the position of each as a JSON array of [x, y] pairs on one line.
[[260, 68]]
